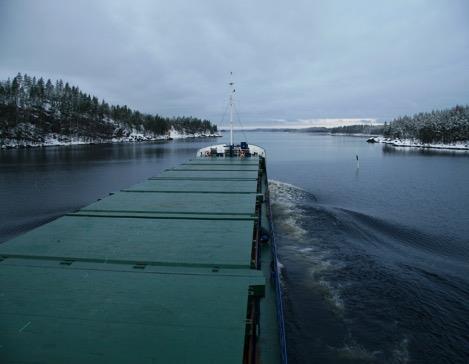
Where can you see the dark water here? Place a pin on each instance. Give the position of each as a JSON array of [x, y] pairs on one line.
[[375, 260]]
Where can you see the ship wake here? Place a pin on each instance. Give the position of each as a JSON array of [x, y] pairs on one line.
[[350, 288]]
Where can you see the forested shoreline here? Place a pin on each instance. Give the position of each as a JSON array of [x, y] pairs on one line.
[[443, 127], [34, 110], [366, 129], [439, 126]]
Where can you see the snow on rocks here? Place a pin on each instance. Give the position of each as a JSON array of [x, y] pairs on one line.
[[174, 134], [418, 144], [31, 137]]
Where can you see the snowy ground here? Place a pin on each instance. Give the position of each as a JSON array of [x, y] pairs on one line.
[[173, 134], [59, 139], [352, 134], [418, 144]]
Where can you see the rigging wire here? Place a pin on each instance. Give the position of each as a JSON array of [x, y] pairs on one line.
[[240, 123], [225, 112], [223, 117]]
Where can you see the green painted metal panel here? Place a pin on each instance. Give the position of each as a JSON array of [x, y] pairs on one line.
[[220, 163], [176, 202], [129, 266], [62, 314], [211, 174], [164, 215], [184, 242], [157, 274], [217, 167], [233, 161], [191, 185]]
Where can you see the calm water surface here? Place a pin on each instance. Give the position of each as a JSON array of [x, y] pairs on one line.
[[375, 259]]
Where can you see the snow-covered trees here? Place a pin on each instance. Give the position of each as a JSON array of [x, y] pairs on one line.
[[64, 109], [357, 129], [443, 126]]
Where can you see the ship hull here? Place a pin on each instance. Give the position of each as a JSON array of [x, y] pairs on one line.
[[180, 268]]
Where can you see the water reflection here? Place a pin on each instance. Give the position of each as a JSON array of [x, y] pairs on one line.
[[389, 149], [40, 184], [363, 258]]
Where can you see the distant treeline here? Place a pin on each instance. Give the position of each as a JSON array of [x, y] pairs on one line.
[[349, 129], [442, 126], [57, 107], [358, 129]]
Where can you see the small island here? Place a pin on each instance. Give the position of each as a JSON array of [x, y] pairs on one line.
[[35, 112], [442, 129]]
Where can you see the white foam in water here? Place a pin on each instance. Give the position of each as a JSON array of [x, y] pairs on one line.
[[280, 266], [286, 211], [286, 199], [354, 351], [332, 295], [401, 353], [290, 215]]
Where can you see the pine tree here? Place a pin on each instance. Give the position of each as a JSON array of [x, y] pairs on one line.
[[64, 109]]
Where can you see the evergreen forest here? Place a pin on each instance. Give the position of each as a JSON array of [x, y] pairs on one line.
[[32, 107], [440, 126]]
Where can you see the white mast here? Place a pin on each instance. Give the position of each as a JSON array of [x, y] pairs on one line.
[[231, 110]]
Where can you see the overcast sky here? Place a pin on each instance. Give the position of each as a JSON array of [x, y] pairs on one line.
[[292, 61]]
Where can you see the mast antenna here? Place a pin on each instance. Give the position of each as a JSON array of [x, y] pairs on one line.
[[231, 107]]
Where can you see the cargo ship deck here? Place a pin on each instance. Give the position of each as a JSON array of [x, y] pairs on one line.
[[176, 269]]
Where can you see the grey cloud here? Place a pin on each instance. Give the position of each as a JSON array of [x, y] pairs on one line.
[[292, 60]]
